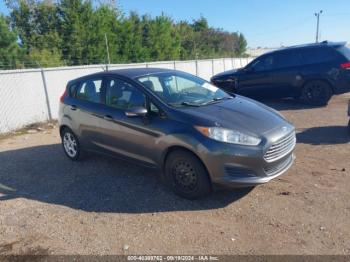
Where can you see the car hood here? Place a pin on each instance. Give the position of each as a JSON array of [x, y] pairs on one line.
[[225, 74], [239, 113]]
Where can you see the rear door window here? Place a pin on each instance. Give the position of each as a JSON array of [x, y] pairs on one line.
[[122, 95], [90, 90], [286, 59]]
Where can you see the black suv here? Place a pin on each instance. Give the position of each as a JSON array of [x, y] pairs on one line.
[[312, 72]]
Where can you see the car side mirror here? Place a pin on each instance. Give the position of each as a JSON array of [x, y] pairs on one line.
[[136, 111]]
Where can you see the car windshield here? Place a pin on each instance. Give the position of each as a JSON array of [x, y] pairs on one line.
[[182, 89]]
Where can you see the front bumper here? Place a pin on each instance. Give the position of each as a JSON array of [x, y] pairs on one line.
[[244, 166], [251, 179]]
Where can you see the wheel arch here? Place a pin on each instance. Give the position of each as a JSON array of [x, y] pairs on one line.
[[329, 82], [63, 127], [174, 148]]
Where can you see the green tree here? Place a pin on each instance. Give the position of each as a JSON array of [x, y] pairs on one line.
[[105, 22], [132, 48], [37, 24], [56, 32], [163, 40], [10, 51], [44, 58], [76, 27], [242, 45]]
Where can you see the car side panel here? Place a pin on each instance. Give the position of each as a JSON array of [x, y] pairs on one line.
[[83, 117]]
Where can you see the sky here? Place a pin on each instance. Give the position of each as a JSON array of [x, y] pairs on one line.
[[265, 23]]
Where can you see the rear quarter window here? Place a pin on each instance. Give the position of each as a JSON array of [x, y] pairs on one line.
[[72, 89], [344, 51], [317, 55]]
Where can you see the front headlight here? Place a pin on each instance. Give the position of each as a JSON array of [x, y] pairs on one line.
[[229, 136]]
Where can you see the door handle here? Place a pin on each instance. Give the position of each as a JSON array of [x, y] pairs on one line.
[[73, 107], [108, 118]]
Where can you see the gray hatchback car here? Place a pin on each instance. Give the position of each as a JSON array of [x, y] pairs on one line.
[[192, 131]]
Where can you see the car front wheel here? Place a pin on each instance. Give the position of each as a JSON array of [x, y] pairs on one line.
[[317, 93], [186, 175]]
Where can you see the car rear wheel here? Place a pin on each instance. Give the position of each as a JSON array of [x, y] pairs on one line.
[[186, 175], [70, 144], [317, 93]]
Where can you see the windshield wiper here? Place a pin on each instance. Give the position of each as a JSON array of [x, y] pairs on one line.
[[216, 99], [185, 103], [189, 104]]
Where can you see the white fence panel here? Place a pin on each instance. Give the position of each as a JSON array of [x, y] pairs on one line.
[[22, 99], [205, 69], [237, 62], [245, 61], [125, 66], [228, 62], [166, 65], [22, 92], [186, 66], [56, 80], [219, 66]]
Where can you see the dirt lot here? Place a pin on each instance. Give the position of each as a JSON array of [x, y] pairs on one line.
[[50, 205]]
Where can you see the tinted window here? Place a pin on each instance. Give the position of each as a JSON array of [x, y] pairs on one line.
[[122, 95], [90, 90], [286, 59], [264, 63], [317, 55], [71, 89]]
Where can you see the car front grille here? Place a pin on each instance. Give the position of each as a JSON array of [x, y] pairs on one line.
[[238, 171], [281, 148], [274, 169]]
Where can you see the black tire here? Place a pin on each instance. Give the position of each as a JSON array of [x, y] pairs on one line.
[[75, 152], [186, 175], [316, 93]]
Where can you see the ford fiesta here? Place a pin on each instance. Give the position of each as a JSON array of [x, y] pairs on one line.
[[197, 134]]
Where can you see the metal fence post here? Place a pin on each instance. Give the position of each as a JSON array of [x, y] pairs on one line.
[[223, 60], [196, 67], [46, 94], [174, 65], [212, 67], [233, 65]]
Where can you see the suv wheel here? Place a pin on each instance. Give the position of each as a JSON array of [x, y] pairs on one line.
[[317, 93], [70, 145], [186, 175]]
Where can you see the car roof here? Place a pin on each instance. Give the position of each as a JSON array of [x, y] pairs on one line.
[[311, 45], [126, 72]]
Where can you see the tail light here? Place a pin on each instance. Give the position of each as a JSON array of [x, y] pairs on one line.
[[345, 65], [63, 96]]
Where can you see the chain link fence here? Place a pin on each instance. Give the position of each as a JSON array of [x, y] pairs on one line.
[[32, 95]]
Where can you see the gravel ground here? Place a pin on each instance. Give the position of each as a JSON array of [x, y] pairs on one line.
[[50, 205]]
